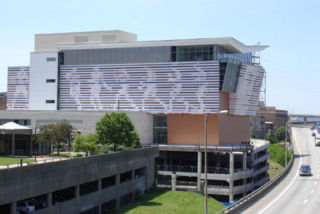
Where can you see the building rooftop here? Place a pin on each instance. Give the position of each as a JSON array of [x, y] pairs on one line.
[[122, 39]]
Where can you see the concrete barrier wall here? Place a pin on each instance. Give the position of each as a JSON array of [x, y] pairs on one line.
[[30, 181]]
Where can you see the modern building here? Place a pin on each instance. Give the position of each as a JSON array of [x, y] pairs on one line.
[[3, 100], [167, 87]]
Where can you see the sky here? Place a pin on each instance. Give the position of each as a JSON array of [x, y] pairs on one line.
[[290, 27]]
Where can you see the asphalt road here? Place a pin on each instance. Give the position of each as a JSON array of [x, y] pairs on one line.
[[295, 194]]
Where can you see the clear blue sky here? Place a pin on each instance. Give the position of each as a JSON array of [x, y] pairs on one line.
[[289, 27]]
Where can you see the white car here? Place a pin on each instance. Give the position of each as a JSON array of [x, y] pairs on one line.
[[26, 207], [317, 143]]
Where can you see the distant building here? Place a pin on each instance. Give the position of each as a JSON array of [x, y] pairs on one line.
[[268, 121], [166, 87], [3, 100]]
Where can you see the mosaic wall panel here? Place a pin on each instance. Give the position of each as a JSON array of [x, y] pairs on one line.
[[18, 88], [175, 87], [246, 98]]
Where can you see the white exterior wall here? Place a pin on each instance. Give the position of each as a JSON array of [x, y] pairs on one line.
[[40, 90], [51, 42]]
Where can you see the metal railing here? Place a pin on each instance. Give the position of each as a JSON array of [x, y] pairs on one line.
[[188, 168], [253, 196]]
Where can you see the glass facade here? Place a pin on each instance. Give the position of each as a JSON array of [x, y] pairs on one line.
[[160, 129], [23, 122], [149, 55], [117, 56], [195, 53]]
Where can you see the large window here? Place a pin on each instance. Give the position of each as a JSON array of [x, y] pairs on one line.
[[195, 53], [160, 129]]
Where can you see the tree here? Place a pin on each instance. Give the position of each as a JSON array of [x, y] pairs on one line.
[[117, 129], [280, 134], [56, 133], [270, 138], [47, 134], [85, 144]]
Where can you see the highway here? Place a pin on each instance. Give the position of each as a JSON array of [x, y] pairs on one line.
[[295, 194]]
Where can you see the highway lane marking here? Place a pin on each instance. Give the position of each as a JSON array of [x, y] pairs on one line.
[[290, 184], [311, 191], [305, 201]]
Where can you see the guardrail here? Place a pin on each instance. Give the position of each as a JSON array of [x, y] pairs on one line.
[[237, 206]]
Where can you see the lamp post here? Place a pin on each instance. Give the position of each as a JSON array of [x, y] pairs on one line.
[[206, 160], [35, 142], [285, 146]]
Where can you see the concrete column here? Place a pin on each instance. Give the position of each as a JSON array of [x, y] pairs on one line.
[[252, 158], [31, 144], [49, 200], [173, 182], [13, 139], [244, 165], [199, 170], [134, 186], [231, 171], [13, 208], [77, 194], [118, 193]]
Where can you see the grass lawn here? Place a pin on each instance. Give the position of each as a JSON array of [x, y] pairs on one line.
[[165, 201], [6, 161], [276, 152], [274, 168]]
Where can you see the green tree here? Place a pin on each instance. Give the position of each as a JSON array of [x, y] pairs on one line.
[[47, 135], [270, 138], [86, 144], [56, 134], [280, 134], [78, 143], [117, 129]]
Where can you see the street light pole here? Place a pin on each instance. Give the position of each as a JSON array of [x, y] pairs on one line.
[[206, 159], [285, 153], [205, 165]]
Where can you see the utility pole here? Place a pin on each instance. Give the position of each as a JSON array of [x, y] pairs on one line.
[[285, 153], [205, 165]]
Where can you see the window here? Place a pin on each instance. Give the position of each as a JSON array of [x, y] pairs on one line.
[[126, 176], [94, 210], [51, 59], [50, 80], [126, 199], [109, 206], [107, 182], [139, 172], [63, 195], [160, 129], [50, 101], [88, 188]]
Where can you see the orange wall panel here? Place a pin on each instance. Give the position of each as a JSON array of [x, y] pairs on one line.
[[233, 129], [189, 129]]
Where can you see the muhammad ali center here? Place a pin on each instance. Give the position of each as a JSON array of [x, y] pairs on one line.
[[166, 87]]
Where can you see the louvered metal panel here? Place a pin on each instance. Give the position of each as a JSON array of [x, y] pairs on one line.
[[245, 100], [18, 88], [175, 87]]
